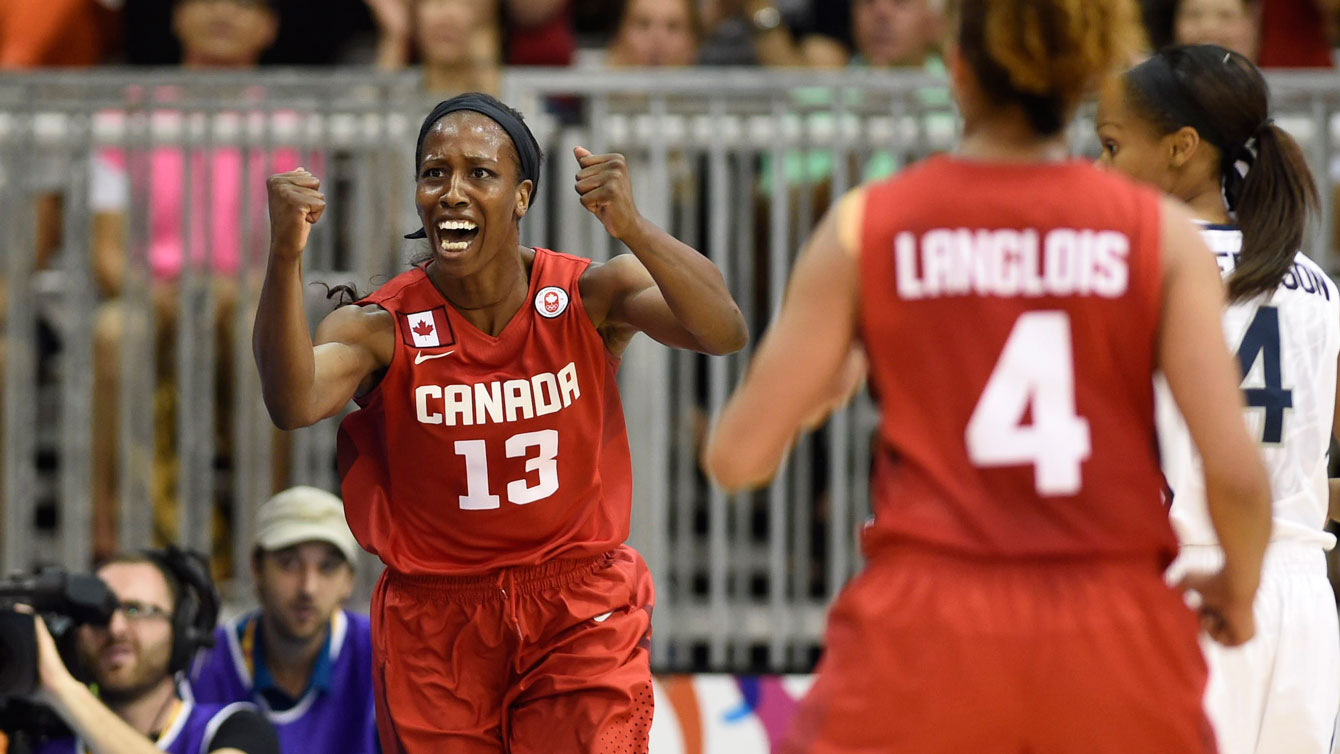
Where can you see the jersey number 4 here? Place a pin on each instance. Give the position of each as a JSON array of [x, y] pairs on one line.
[[1262, 342], [478, 496], [1035, 375]]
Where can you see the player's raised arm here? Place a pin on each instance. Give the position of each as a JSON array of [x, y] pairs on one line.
[[302, 383], [666, 288], [780, 395], [1204, 382]]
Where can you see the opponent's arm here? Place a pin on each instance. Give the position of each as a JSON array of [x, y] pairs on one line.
[[665, 288], [799, 367], [1205, 383], [303, 383]]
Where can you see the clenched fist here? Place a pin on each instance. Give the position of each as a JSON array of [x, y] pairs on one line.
[[603, 185], [295, 203]]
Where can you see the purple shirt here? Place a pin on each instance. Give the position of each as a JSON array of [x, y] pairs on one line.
[[333, 718], [190, 731]]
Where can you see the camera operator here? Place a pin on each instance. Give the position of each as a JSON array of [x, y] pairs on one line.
[[165, 613]]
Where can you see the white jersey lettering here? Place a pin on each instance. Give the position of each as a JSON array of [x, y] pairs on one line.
[[1011, 263], [498, 401]]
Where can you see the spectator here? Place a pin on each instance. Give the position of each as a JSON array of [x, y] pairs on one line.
[[535, 32], [214, 34], [888, 34], [1295, 33], [656, 33], [891, 33], [335, 34], [166, 604], [224, 33], [1227, 23], [450, 38], [749, 32], [306, 662]]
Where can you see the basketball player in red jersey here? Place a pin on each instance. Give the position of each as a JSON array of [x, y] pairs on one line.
[[1013, 304], [488, 464]]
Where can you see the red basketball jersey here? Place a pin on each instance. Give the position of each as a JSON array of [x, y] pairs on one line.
[[1010, 313], [476, 452]]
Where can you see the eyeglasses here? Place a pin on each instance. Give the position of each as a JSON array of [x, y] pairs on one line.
[[138, 612]]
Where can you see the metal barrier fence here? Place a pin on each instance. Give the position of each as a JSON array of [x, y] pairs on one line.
[[103, 166]]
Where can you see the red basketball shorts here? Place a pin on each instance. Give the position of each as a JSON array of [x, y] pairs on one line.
[[934, 654], [551, 658]]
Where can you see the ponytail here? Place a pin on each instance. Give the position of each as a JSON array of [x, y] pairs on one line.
[[1272, 207]]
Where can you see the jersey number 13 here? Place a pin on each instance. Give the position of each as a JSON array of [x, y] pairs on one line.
[[544, 459]]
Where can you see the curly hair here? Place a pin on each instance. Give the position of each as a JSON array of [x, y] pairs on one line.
[[1044, 55]]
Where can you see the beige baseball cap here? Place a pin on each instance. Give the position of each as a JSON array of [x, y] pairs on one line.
[[304, 514]]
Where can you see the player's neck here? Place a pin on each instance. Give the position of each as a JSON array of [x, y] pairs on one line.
[[489, 298], [1006, 136], [1208, 205]]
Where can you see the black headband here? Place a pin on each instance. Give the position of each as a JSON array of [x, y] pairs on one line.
[[527, 149]]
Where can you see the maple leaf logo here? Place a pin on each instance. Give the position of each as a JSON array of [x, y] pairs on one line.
[[423, 329], [551, 301]]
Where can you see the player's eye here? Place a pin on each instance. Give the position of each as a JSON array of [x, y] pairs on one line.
[[433, 173], [480, 173]]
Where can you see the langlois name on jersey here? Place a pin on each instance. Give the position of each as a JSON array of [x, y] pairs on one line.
[[497, 401], [1011, 262]]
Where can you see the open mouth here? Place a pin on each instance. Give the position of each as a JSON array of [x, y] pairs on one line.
[[456, 235]]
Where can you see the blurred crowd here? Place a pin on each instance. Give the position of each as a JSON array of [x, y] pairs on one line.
[[461, 44]]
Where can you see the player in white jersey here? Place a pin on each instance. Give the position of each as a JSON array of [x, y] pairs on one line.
[[1194, 121]]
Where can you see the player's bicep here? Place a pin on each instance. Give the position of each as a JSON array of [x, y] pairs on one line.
[[635, 303], [644, 308], [798, 361], [351, 345]]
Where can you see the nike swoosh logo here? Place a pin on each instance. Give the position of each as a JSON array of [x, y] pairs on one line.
[[603, 618], [422, 357]]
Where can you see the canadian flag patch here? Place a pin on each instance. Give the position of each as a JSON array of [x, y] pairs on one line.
[[428, 329], [551, 301]]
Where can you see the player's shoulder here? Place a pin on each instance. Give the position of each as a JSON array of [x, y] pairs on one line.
[[561, 258], [355, 323], [398, 288], [1303, 260]]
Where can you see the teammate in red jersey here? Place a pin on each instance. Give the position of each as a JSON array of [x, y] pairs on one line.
[[1013, 304], [488, 465]]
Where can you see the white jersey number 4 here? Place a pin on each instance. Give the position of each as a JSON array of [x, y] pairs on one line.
[[1036, 370]]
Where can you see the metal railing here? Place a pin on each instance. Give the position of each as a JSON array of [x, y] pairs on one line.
[[739, 164]]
